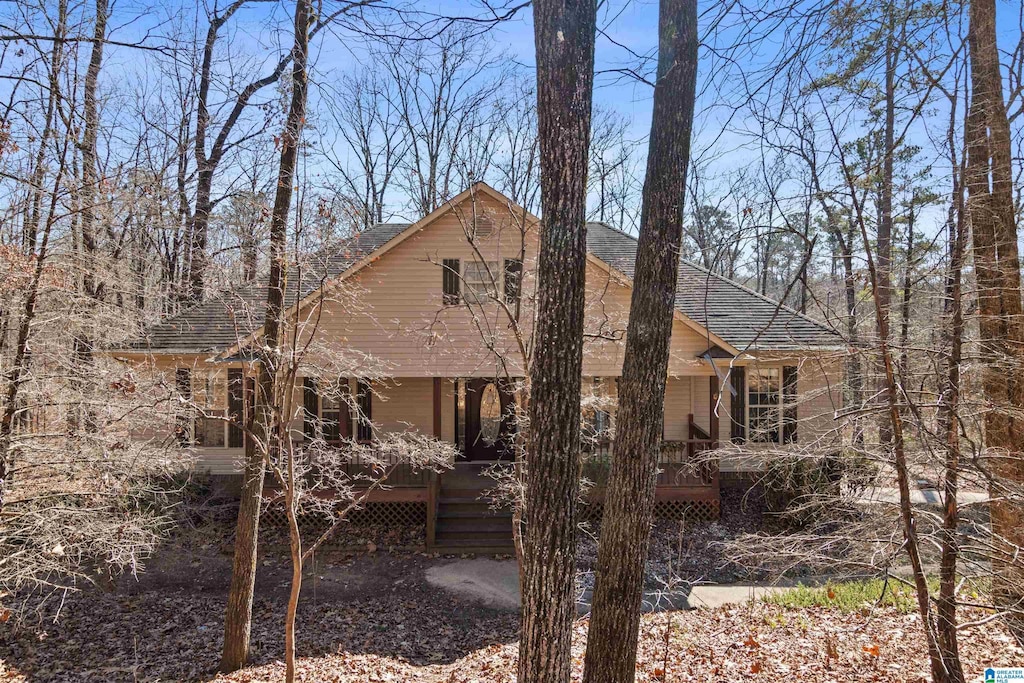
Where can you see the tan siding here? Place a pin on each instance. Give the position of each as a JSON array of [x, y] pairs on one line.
[[392, 309], [404, 405], [820, 391], [677, 408]]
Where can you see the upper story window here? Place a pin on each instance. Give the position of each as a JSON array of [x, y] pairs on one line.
[[451, 274], [479, 279], [477, 282], [513, 280]]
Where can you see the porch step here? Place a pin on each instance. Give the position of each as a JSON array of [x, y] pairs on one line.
[[468, 524], [475, 550], [466, 493], [455, 524], [467, 507], [447, 513]]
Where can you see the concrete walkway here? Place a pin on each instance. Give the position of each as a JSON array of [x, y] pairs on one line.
[[891, 496], [495, 583]]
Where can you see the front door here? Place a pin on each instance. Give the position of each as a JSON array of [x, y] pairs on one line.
[[489, 422]]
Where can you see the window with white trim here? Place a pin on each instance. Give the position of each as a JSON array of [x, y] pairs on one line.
[[764, 404], [480, 281], [210, 394]]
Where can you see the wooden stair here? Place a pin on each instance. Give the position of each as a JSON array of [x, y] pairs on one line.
[[466, 521]]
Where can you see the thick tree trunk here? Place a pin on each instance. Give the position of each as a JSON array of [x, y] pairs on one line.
[[564, 34], [629, 502], [989, 183], [237, 625], [238, 616], [199, 231]]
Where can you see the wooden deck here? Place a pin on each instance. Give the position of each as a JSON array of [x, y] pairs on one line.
[[457, 517]]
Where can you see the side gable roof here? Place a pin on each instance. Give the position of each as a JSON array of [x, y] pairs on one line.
[[731, 312]]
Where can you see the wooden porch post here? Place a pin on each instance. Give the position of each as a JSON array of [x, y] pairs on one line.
[[437, 407], [434, 482], [713, 418]]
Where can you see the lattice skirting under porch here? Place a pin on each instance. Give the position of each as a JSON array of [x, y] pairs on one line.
[[686, 510], [393, 523]]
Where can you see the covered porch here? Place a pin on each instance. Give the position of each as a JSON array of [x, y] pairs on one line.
[[472, 413]]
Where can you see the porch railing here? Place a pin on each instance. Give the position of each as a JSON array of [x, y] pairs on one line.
[[364, 470], [680, 463]]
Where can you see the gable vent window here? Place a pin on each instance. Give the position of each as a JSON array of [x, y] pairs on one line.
[[483, 227], [450, 272]]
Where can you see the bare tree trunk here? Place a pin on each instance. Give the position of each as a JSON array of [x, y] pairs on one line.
[[948, 414], [83, 342], [22, 351], [989, 182], [909, 523], [908, 273], [30, 232], [564, 34], [237, 624], [883, 292], [629, 502]]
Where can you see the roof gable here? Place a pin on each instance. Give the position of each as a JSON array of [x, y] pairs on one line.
[[734, 315]]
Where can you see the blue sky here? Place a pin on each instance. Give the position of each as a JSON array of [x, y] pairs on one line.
[[627, 26]]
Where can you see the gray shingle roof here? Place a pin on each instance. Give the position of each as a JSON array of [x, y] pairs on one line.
[[226, 317], [737, 314]]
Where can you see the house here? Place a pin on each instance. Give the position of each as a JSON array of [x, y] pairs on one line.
[[442, 311]]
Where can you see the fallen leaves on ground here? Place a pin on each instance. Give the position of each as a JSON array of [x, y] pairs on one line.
[[417, 634]]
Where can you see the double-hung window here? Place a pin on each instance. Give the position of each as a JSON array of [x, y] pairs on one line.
[[210, 394], [326, 410], [765, 397], [480, 279], [771, 400]]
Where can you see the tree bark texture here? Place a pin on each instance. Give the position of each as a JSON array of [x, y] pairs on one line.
[[989, 181], [949, 424], [629, 501], [238, 620], [564, 33], [907, 516]]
